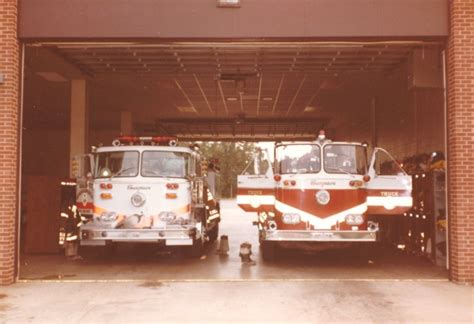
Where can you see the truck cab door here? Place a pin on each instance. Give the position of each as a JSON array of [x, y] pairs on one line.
[[256, 185], [389, 188], [82, 170]]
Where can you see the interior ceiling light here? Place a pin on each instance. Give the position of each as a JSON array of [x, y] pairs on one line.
[[232, 99], [309, 109], [267, 99], [228, 3]]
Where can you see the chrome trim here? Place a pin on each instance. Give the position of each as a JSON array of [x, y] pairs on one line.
[[321, 236], [180, 236]]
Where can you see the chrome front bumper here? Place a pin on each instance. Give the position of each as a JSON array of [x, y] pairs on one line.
[[321, 236], [171, 237]]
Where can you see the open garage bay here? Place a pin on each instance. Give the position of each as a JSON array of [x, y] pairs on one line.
[[388, 93]]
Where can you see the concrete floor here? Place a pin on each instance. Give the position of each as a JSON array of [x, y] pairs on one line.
[[301, 286], [147, 263]]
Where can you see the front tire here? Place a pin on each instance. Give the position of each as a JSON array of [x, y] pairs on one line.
[[196, 250], [93, 252]]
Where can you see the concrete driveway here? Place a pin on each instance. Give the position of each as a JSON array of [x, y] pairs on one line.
[[225, 301]]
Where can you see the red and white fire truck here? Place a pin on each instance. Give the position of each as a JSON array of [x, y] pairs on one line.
[[322, 191], [145, 189]]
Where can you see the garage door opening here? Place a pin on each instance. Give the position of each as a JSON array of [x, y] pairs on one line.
[[389, 94]]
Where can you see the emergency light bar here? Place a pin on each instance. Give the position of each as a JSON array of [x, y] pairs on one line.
[[152, 140], [322, 135]]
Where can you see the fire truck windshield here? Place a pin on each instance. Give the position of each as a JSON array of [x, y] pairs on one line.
[[165, 164], [116, 164], [298, 158], [345, 158]]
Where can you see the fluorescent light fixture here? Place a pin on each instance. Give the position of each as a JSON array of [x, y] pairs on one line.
[[267, 99], [232, 99], [309, 109], [228, 3]]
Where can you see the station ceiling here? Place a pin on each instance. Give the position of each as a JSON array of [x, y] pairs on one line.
[[242, 90]]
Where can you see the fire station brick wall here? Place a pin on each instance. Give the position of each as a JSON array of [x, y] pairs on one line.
[[9, 93], [461, 140]]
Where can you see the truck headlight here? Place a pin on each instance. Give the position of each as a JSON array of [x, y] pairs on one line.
[[291, 218], [167, 217], [108, 217], [138, 199], [354, 219]]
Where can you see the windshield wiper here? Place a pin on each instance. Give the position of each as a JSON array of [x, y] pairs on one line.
[[119, 172], [341, 170]]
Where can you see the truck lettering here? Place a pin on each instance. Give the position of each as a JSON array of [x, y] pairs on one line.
[[389, 194], [322, 183], [132, 187]]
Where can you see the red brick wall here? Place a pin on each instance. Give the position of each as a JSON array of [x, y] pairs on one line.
[[461, 139], [9, 93]]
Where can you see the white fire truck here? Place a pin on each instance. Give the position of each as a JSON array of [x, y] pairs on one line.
[[145, 189], [322, 191]]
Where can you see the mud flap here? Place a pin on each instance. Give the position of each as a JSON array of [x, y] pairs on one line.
[[268, 250], [197, 249]]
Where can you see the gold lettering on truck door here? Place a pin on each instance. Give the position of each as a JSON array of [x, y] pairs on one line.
[[389, 194]]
